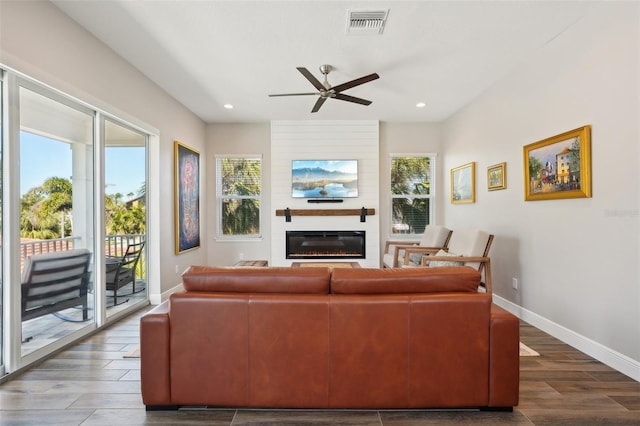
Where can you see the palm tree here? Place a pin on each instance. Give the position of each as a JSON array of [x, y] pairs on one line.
[[411, 176], [240, 179], [43, 206]]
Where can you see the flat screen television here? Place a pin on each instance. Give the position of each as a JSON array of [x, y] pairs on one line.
[[324, 178]]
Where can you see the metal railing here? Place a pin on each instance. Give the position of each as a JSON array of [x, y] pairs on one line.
[[115, 246], [27, 248]]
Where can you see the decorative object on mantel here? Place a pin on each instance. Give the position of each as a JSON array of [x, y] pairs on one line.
[[463, 184], [363, 213], [559, 166], [497, 177]]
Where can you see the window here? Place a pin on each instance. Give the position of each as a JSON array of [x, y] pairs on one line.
[[412, 193], [239, 193]]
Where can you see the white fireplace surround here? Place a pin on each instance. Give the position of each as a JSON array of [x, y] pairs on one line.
[[325, 140]]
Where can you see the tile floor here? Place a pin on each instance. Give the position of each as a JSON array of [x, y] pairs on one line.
[[92, 384]]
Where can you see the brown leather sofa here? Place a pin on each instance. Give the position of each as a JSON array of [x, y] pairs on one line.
[[318, 338]]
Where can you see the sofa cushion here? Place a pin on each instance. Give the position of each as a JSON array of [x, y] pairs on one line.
[[404, 280], [257, 280]]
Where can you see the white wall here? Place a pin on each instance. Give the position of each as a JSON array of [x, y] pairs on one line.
[[576, 260], [407, 138], [238, 139], [41, 42], [325, 140]]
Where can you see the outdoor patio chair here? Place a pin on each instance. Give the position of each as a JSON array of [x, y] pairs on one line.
[[121, 271], [55, 281]]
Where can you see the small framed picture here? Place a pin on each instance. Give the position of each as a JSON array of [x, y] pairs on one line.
[[463, 184], [497, 176]]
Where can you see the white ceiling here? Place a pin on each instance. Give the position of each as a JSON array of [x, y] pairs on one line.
[[209, 53]]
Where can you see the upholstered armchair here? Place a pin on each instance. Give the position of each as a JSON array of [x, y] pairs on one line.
[[465, 248], [434, 237]]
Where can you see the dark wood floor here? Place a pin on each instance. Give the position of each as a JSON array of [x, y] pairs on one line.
[[92, 384]]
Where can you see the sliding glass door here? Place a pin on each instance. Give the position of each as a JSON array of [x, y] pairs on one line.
[[125, 217], [57, 226], [2, 130], [73, 205]]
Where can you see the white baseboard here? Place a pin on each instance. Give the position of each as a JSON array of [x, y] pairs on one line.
[[158, 298], [606, 355]]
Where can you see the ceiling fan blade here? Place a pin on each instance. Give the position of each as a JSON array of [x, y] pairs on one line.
[[348, 98], [356, 82], [318, 104], [316, 83], [295, 94]]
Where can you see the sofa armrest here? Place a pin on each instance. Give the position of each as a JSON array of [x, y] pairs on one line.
[[155, 368], [504, 358]]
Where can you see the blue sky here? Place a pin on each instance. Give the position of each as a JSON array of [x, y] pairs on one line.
[[42, 158]]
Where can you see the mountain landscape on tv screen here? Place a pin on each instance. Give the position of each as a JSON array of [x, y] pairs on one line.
[[319, 182]]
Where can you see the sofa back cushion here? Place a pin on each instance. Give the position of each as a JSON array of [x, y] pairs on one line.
[[257, 280], [404, 280]]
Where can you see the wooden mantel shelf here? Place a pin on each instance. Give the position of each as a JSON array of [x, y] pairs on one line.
[[325, 212]]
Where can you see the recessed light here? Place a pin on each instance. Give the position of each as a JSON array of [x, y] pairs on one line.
[[228, 106], [421, 105]]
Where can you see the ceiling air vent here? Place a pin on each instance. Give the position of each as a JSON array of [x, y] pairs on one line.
[[364, 22]]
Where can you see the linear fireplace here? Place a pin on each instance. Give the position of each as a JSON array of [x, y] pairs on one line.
[[325, 244]]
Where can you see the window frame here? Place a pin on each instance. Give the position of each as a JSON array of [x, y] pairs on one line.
[[220, 198], [432, 196]]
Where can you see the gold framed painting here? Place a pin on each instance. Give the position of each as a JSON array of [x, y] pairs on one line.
[[187, 197], [497, 176], [463, 184], [559, 167]]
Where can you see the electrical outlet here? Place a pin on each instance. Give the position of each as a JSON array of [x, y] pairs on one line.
[[177, 269], [241, 256], [514, 283]]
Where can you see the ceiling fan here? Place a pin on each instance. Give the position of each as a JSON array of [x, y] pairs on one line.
[[326, 91]]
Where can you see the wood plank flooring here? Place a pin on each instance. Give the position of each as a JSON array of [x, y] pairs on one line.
[[92, 384]]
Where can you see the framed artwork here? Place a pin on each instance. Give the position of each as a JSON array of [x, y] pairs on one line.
[[463, 184], [187, 197], [559, 166], [497, 176]]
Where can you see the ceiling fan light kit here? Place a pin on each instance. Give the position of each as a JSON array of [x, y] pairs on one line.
[[326, 91]]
